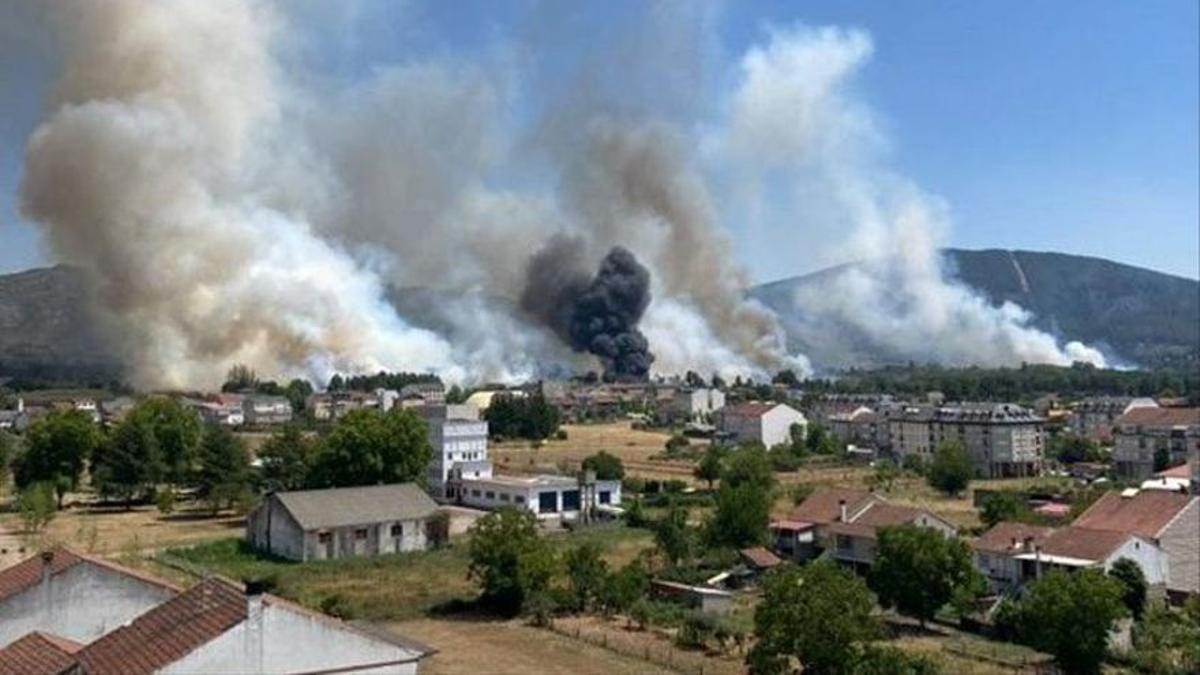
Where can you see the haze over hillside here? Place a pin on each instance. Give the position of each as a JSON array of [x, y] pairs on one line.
[[1137, 315]]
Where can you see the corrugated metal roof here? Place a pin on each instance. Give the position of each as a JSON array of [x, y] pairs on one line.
[[339, 507]]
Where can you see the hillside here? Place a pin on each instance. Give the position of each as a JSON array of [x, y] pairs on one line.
[[1138, 315]]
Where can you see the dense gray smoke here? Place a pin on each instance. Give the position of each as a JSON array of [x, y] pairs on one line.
[[598, 315], [227, 206]]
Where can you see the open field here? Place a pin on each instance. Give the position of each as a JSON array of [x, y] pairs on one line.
[[503, 647], [634, 447]]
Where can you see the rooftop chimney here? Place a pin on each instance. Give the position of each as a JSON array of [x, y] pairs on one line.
[[842, 510]]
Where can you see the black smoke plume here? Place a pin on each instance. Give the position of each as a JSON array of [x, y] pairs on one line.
[[597, 315]]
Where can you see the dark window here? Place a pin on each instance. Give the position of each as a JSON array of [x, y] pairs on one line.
[[491, 495], [397, 530], [474, 493], [605, 497], [520, 499], [324, 537], [504, 496], [547, 502], [360, 533], [570, 500]]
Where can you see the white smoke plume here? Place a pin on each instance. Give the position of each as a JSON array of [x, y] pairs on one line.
[[801, 140], [228, 210]]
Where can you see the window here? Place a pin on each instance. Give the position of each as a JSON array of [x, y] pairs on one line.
[[491, 495], [605, 497], [547, 502], [324, 537], [397, 530], [360, 533], [504, 496], [570, 499], [520, 499], [474, 493]]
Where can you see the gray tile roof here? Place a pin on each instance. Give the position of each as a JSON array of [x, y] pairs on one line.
[[339, 507]]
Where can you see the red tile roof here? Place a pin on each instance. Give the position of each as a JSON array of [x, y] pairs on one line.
[[1161, 417], [38, 654], [1144, 514], [168, 632], [1182, 471], [822, 505], [1082, 543], [28, 572], [1000, 538], [760, 557]]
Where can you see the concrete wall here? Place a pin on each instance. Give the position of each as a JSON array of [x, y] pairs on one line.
[[271, 528], [1149, 557], [292, 642], [378, 540], [1181, 542], [82, 603]]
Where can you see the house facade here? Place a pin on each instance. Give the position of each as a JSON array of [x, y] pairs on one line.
[[692, 405], [1095, 418], [460, 448], [767, 423], [1142, 434], [1003, 440], [547, 497], [343, 522], [260, 410]]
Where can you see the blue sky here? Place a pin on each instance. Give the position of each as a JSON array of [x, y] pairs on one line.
[[1045, 125]]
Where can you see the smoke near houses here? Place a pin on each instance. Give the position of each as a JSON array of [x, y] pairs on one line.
[[226, 205]]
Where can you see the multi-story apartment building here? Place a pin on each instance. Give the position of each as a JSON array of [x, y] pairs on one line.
[[1004, 440], [1143, 433], [460, 447], [1094, 418]]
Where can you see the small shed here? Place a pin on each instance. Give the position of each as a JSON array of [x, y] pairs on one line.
[[701, 598], [344, 522]]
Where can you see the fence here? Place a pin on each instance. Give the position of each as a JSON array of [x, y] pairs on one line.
[[664, 656]]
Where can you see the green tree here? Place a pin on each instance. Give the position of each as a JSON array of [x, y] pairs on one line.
[[710, 465], [508, 558], [1070, 615], [1166, 642], [129, 463], [1162, 458], [1069, 449], [240, 377], [223, 472], [1002, 506], [606, 465], [587, 576], [8, 449], [367, 447], [297, 393], [951, 469], [744, 499], [286, 457], [623, 588], [1134, 584], [176, 434], [918, 569], [818, 616], [56, 447], [37, 506], [674, 537], [885, 475]]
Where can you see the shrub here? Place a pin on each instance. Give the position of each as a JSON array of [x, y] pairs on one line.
[[165, 502]]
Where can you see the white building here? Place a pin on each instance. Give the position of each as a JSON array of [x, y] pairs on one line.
[[766, 423], [545, 496], [343, 522], [460, 447], [696, 404], [266, 410]]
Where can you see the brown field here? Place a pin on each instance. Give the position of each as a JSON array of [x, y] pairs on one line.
[[481, 646], [634, 447], [115, 532]]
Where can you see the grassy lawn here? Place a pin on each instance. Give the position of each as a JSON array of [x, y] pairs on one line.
[[383, 588]]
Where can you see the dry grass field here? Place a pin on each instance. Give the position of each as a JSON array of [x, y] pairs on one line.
[[634, 447], [504, 647]]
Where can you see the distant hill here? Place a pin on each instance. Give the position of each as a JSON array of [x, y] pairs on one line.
[[1145, 317], [47, 331]]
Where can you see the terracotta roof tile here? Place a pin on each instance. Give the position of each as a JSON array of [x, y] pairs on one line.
[[28, 572], [1082, 543], [760, 557], [1182, 471], [1161, 417], [1000, 538], [38, 654], [822, 506], [168, 632], [1144, 514]]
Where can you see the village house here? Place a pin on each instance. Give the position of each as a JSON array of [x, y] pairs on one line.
[[843, 525], [855, 427], [344, 522], [1144, 435], [1004, 440], [74, 596], [696, 405], [262, 411], [1170, 520], [1011, 555], [120, 622], [1095, 418], [767, 423]]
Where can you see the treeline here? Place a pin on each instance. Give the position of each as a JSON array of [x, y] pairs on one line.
[[1012, 384], [380, 380], [531, 417], [160, 449], [242, 379]]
